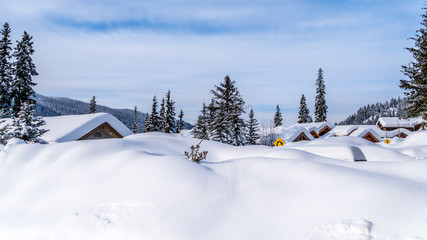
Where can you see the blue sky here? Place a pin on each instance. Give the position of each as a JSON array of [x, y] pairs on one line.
[[124, 52]]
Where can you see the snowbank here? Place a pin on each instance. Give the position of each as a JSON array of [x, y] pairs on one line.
[[142, 187]]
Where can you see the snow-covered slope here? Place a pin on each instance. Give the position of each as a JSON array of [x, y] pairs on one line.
[[142, 187]]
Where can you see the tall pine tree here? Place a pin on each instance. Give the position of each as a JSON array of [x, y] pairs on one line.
[[24, 70], [304, 113], [152, 122], [416, 87], [170, 114], [6, 70], [227, 125], [252, 124], [278, 117], [320, 101], [180, 123], [162, 116], [134, 124], [201, 127], [92, 105]]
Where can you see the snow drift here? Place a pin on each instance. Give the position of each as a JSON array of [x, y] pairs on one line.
[[142, 187]]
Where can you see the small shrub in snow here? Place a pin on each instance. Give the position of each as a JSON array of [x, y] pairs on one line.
[[194, 155]]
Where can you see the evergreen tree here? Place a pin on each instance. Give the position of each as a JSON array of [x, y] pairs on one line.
[[92, 105], [24, 70], [227, 125], [180, 124], [252, 125], [134, 124], [416, 87], [162, 116], [278, 117], [304, 113], [170, 114], [320, 101], [6, 71], [152, 122], [200, 129], [4, 128], [27, 127]]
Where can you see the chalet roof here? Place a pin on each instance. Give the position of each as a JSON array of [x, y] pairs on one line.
[[341, 130], [316, 126], [289, 134], [395, 122], [73, 127], [361, 131]]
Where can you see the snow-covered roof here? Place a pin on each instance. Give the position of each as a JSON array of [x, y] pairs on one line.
[[316, 126], [73, 127], [399, 122], [341, 130], [289, 134], [361, 131]]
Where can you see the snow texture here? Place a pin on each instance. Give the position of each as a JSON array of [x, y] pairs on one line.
[[142, 187], [399, 122]]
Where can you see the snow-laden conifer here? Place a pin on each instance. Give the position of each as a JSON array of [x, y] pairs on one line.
[[6, 69], [227, 126], [180, 123], [416, 86], [23, 69], [92, 105], [134, 124], [252, 125], [320, 101], [152, 122], [162, 116], [26, 126], [278, 117], [200, 129], [304, 112], [170, 114]]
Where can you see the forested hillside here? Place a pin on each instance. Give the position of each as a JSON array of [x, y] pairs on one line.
[[56, 106], [369, 114]]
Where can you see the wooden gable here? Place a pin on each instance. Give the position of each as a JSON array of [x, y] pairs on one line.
[[324, 130], [314, 134], [101, 132], [368, 136], [301, 137]]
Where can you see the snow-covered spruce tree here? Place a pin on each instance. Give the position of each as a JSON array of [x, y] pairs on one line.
[[201, 127], [162, 116], [152, 122], [134, 124], [6, 69], [227, 125], [416, 87], [320, 101], [304, 113], [170, 114], [4, 128], [92, 105], [252, 124], [23, 71], [180, 123], [278, 117], [26, 126]]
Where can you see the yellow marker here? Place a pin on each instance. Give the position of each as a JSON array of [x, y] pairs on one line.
[[387, 141], [279, 142]]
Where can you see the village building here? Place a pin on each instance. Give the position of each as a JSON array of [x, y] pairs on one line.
[[393, 123], [83, 127], [293, 134], [316, 129]]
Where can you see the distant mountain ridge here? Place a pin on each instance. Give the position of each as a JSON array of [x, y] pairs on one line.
[[57, 106], [369, 114]]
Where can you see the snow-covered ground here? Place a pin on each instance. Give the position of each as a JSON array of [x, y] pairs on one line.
[[142, 187]]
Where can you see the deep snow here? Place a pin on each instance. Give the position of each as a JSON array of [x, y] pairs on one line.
[[142, 187]]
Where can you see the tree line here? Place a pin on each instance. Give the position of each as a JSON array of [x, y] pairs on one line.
[[16, 89]]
